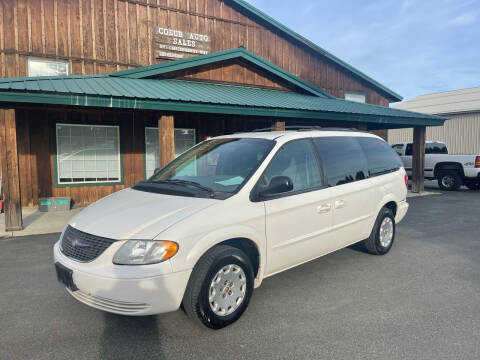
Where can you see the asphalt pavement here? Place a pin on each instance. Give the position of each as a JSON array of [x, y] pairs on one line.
[[421, 301]]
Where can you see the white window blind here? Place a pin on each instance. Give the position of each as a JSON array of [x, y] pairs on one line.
[[88, 154]]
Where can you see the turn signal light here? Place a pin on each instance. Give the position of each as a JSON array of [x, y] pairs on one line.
[[477, 162]]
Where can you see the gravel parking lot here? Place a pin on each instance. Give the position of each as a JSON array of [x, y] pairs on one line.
[[421, 301]]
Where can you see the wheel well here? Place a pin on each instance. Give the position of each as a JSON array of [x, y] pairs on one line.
[[249, 248], [392, 205], [448, 166]]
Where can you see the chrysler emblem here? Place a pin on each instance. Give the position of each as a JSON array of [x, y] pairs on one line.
[[76, 243]]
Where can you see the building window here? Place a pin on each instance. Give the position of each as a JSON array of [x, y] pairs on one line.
[[88, 154], [184, 140], [355, 96], [47, 67]]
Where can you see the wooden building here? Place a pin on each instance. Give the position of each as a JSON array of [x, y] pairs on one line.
[[98, 93]]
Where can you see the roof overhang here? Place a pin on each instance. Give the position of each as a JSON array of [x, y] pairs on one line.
[[143, 88]]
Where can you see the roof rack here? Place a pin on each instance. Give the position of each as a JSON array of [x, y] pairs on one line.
[[304, 128]]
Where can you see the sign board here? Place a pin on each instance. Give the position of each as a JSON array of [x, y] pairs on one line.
[[172, 43]]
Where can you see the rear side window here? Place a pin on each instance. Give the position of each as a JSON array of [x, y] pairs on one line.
[[435, 148], [343, 159], [381, 157]]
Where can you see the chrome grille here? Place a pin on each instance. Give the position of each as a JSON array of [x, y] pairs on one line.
[[81, 246]]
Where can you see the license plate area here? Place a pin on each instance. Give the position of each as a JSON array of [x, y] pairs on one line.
[[65, 276]]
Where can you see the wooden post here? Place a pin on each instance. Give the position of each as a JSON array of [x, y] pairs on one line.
[[10, 176], [418, 158], [166, 139], [279, 125]]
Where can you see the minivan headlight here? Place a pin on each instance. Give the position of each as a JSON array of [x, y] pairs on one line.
[[143, 252]]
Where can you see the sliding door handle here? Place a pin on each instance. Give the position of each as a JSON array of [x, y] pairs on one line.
[[324, 208], [340, 204]]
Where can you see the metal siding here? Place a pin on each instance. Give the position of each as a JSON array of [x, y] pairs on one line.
[[461, 133]]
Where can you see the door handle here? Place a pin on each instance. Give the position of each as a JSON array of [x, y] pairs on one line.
[[324, 208], [339, 204]]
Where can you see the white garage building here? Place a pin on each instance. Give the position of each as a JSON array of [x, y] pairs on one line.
[[461, 131]]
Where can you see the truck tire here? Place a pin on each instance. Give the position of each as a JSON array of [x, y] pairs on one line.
[[449, 180], [220, 287], [381, 238], [472, 184]]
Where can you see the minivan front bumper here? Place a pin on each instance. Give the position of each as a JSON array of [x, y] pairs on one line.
[[132, 296]]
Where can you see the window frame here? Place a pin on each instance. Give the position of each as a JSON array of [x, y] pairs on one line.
[[355, 93], [151, 126], [35, 58], [58, 184], [254, 192]]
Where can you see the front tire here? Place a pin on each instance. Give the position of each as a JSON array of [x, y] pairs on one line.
[[449, 180], [220, 287], [381, 239]]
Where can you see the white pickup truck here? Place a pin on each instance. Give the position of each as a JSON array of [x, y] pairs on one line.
[[451, 171]]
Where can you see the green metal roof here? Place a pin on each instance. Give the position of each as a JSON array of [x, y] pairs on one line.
[[260, 14], [113, 91]]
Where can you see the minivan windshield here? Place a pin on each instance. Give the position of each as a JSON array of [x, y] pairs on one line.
[[214, 168]]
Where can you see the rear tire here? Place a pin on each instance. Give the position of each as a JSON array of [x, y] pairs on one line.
[[217, 304], [449, 180], [381, 239]]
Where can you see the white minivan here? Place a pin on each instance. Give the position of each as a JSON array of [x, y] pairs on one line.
[[206, 229]]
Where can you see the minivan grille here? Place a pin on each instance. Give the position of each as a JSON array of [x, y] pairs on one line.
[[81, 246]]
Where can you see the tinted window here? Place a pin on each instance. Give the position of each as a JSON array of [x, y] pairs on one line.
[[296, 160], [408, 150], [435, 148], [430, 148], [343, 159], [381, 157]]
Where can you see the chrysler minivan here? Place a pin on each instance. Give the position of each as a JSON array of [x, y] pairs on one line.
[[206, 229]]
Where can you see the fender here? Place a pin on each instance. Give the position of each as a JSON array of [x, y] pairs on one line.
[[208, 241], [448, 166]]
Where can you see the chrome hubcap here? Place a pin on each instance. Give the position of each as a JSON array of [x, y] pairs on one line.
[[227, 290], [447, 181], [386, 232]]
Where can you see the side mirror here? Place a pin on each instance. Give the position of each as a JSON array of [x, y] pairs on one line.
[[277, 185]]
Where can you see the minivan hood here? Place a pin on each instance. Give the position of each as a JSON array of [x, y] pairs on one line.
[[135, 214]]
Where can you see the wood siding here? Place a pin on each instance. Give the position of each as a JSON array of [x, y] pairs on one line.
[[35, 136], [98, 36]]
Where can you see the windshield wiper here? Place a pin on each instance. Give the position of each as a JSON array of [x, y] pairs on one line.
[[191, 183]]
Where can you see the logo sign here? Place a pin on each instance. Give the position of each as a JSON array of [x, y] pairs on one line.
[[172, 43]]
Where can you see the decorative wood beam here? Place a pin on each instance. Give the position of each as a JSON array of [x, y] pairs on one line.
[[10, 175], [166, 139]]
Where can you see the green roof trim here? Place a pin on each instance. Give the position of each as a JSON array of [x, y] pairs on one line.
[[236, 53], [260, 14], [191, 96]]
